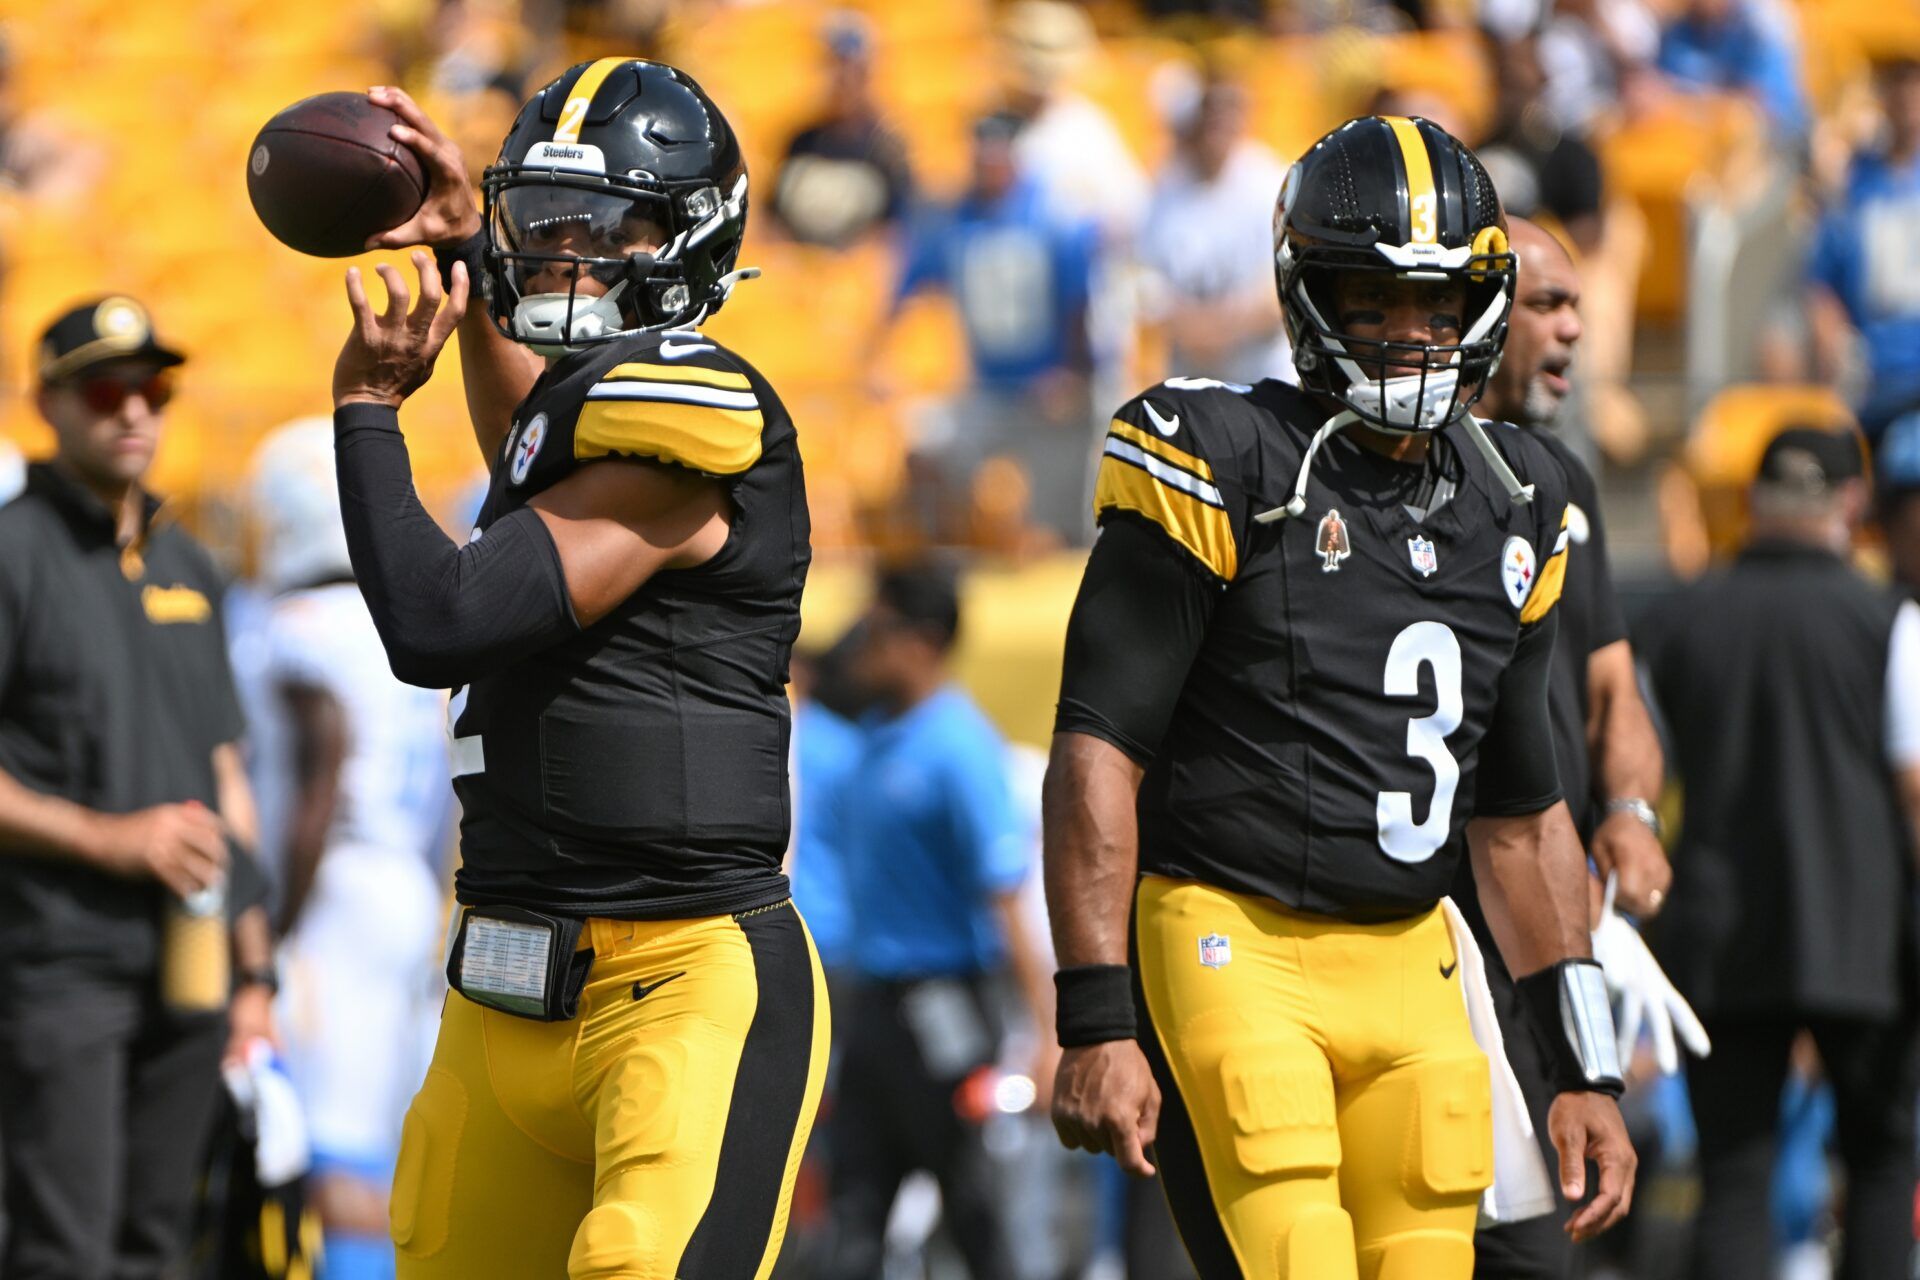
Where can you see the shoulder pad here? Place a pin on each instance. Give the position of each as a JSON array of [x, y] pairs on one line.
[[1167, 456], [684, 401]]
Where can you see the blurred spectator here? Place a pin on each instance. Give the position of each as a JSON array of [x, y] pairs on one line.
[[935, 856], [1021, 276], [364, 767], [1865, 274], [1591, 52], [1208, 243], [1066, 142], [1792, 689], [1897, 473], [1540, 167], [845, 175], [134, 953], [41, 157], [1739, 46]]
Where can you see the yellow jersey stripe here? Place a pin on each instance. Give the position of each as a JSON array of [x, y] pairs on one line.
[[1204, 530], [1160, 448], [1423, 205], [681, 373], [573, 112], [721, 442], [1546, 592]]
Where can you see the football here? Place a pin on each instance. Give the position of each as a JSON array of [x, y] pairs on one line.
[[324, 175]]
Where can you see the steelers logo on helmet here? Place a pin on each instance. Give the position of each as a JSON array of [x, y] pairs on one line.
[[1386, 208], [617, 206]]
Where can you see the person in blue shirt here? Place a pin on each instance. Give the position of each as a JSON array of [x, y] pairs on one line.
[[1020, 272], [1865, 271], [826, 751], [935, 853], [1739, 47]]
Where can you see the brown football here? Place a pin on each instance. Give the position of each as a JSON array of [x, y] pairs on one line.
[[324, 176]]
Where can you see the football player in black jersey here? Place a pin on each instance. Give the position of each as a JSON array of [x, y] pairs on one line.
[[629, 1065], [1607, 753], [1306, 671]]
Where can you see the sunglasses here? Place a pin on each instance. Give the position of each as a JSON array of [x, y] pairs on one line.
[[107, 394]]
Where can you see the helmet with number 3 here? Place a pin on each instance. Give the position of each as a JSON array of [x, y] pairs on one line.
[[1401, 196], [622, 172]]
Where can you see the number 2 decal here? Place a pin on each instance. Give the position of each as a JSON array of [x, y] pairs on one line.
[[1432, 644]]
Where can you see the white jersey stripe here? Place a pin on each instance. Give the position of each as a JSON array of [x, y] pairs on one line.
[[1171, 476], [675, 392]]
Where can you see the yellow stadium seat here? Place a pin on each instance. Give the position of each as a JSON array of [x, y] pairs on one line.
[[1723, 453]]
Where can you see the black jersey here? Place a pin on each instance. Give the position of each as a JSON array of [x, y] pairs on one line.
[[639, 769], [1346, 699]]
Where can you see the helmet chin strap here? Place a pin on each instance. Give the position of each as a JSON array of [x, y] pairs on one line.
[[1522, 494], [538, 319]]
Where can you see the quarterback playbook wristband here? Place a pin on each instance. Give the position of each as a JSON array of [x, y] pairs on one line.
[[1094, 1004], [472, 251], [1572, 1020]]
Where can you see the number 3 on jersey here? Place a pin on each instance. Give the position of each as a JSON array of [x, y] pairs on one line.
[[1433, 644]]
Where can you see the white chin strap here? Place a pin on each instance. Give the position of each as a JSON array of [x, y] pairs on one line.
[[1410, 403], [1297, 505], [541, 319]]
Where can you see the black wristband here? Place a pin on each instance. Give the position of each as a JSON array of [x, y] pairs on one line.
[[1094, 1004], [471, 251], [264, 976], [1572, 1022]]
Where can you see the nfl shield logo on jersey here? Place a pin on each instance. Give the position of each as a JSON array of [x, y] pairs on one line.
[[1215, 950], [1420, 550], [1516, 569]]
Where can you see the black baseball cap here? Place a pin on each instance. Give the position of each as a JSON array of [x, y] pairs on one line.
[[1809, 461], [112, 328]]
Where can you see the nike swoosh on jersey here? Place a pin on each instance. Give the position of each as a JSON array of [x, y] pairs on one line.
[[1446, 970], [672, 350], [641, 990], [1164, 425]]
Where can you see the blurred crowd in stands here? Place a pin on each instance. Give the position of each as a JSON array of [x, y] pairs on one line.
[[982, 227]]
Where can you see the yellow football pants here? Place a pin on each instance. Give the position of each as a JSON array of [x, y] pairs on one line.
[[655, 1136], [1325, 1111]]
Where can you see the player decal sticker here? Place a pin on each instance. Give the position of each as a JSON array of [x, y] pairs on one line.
[[1330, 543]]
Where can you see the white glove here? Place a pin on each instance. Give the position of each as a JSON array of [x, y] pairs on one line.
[[1646, 995]]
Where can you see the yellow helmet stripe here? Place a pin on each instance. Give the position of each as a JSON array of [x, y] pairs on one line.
[[573, 112], [1423, 203]]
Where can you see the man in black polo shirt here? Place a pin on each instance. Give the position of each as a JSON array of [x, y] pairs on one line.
[[1792, 687], [121, 791]]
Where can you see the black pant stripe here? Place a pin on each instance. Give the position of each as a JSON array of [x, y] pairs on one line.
[[1176, 1153], [768, 1093]]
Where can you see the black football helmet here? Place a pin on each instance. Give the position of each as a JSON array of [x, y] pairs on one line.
[[1403, 196], [612, 155]]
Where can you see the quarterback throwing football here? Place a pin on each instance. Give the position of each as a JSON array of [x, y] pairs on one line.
[[1307, 669], [630, 1062]]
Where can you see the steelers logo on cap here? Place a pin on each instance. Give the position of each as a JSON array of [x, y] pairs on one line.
[[121, 318]]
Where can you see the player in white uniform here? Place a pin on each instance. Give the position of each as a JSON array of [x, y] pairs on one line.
[[363, 766]]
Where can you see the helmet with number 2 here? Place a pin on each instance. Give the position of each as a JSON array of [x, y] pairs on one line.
[[622, 172], [1400, 196]]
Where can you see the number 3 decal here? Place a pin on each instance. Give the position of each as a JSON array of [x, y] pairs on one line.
[[1434, 644]]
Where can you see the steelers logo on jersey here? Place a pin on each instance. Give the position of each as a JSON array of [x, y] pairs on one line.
[[527, 448], [1517, 568]]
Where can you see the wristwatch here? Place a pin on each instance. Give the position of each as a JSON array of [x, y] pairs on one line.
[[1640, 809], [264, 976]]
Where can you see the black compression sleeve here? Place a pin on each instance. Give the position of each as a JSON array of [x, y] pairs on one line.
[[445, 612], [1517, 771], [1137, 624]]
